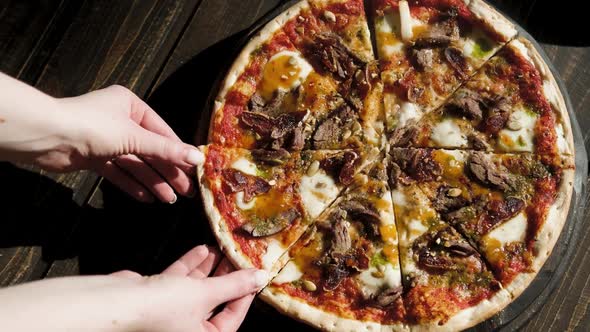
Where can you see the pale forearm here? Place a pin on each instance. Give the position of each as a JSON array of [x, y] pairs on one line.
[[30, 122], [89, 304]]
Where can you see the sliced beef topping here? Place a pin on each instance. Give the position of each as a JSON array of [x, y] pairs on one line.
[[348, 168], [341, 239], [298, 141], [417, 163], [271, 157], [330, 132], [388, 296], [465, 214], [333, 275], [414, 93], [467, 104], [279, 131], [363, 211], [237, 181], [405, 136], [328, 53], [378, 172], [498, 211], [395, 173], [457, 61], [271, 226], [448, 199], [441, 34], [428, 261], [256, 103], [341, 166], [337, 266], [286, 124], [477, 142], [442, 251], [461, 249], [260, 123], [422, 58], [484, 170], [496, 116]]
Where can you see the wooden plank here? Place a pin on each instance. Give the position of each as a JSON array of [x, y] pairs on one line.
[[22, 23], [124, 42]]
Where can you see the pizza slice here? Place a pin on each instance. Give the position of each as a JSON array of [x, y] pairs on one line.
[[344, 274], [273, 98], [428, 48], [511, 207], [334, 37], [448, 285], [259, 202], [512, 104]]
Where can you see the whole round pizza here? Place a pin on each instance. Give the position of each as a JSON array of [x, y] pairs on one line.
[[395, 165]]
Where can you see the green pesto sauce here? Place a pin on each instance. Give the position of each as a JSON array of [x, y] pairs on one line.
[[379, 259], [481, 48]]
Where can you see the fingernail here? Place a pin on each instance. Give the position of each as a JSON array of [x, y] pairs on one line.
[[261, 278], [173, 200], [195, 157]]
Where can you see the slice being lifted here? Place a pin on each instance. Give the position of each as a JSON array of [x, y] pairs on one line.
[[447, 285], [428, 48], [511, 207], [344, 273], [512, 104], [260, 202]]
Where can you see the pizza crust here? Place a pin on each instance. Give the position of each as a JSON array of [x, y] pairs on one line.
[[492, 19], [549, 233], [323, 320], [551, 90], [471, 316], [243, 59], [217, 224]]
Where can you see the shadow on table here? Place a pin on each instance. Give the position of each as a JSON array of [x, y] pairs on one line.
[[549, 22]]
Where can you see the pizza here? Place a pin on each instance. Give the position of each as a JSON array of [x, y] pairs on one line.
[[395, 165], [509, 105]]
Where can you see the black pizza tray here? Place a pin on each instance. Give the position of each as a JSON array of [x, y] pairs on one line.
[[521, 310]]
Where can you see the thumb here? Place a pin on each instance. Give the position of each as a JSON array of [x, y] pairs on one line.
[[149, 144], [235, 285]]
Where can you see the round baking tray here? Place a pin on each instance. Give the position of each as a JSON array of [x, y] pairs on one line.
[[533, 298]]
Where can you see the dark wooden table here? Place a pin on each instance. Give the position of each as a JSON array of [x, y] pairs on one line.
[[169, 53]]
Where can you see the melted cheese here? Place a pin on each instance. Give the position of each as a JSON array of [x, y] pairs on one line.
[[408, 111], [406, 22], [370, 285], [561, 140], [289, 273], [399, 199], [513, 230], [317, 192], [522, 139], [245, 166], [448, 134], [243, 205], [415, 229], [274, 250], [285, 70]]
